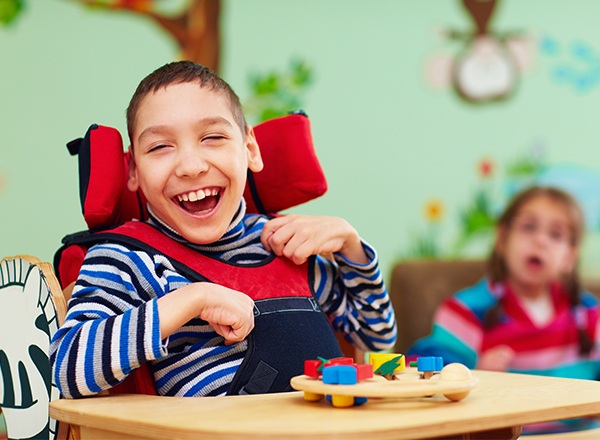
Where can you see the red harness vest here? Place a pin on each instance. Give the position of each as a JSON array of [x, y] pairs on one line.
[[289, 325]]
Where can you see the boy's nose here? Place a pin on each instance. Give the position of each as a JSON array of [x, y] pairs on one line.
[[190, 164]]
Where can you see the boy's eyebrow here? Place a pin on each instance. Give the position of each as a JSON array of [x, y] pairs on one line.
[[204, 122], [216, 120], [155, 129]]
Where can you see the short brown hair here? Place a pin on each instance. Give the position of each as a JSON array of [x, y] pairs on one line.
[[179, 72]]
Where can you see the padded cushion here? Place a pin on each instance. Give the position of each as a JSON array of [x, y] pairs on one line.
[[67, 262], [103, 173], [292, 173]]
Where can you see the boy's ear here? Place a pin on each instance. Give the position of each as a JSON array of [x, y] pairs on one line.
[[132, 182], [255, 163]]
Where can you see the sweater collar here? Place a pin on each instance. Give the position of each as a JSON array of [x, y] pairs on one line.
[[234, 231]]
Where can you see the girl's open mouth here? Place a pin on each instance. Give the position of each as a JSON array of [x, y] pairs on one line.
[[200, 201], [535, 262]]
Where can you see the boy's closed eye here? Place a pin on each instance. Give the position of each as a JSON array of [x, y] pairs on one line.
[[157, 147], [214, 139]]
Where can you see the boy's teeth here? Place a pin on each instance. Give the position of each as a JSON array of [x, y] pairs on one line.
[[197, 195]]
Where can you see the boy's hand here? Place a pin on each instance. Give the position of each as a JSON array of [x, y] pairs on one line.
[[297, 237], [229, 312], [496, 359]]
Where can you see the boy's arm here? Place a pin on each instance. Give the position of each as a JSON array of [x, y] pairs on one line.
[[350, 290], [356, 300], [120, 315], [93, 353], [229, 312], [111, 327]]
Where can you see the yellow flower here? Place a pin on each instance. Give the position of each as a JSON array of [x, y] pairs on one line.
[[434, 210]]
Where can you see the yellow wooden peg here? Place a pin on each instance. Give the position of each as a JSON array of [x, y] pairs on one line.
[[386, 364]]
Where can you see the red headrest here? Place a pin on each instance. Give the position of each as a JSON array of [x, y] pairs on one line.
[[292, 173]]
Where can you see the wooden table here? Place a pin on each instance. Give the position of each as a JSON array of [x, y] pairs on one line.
[[500, 404]]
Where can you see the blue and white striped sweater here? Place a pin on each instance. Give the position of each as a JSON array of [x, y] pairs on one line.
[[112, 324]]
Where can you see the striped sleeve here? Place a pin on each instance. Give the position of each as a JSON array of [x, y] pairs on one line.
[[112, 324], [457, 332], [449, 338], [355, 299]]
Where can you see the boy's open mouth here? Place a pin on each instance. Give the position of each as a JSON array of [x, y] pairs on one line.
[[200, 201]]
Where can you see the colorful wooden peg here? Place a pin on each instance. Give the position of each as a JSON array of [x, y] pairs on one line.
[[429, 365], [387, 364]]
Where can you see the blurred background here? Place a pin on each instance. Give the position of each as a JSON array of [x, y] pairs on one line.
[[427, 115]]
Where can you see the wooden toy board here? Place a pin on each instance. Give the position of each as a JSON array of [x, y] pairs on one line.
[[454, 383]]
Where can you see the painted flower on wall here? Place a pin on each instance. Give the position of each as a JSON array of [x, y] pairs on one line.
[[426, 245], [486, 168], [476, 221], [434, 210]]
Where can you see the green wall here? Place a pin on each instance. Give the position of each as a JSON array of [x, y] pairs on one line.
[[388, 140]]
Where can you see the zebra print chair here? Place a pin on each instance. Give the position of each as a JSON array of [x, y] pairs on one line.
[[32, 307]]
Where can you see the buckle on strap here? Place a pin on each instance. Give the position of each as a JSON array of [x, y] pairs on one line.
[[261, 380]]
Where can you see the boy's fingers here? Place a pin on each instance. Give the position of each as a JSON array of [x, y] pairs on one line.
[[231, 335], [265, 238], [277, 241]]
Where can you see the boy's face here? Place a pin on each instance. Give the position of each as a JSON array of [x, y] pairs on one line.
[[190, 160]]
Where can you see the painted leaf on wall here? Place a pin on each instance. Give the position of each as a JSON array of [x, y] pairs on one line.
[[9, 10]]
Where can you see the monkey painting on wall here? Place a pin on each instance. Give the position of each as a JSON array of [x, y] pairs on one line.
[[488, 67]]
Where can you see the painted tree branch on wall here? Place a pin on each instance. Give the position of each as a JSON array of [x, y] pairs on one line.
[[193, 24], [195, 27]]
